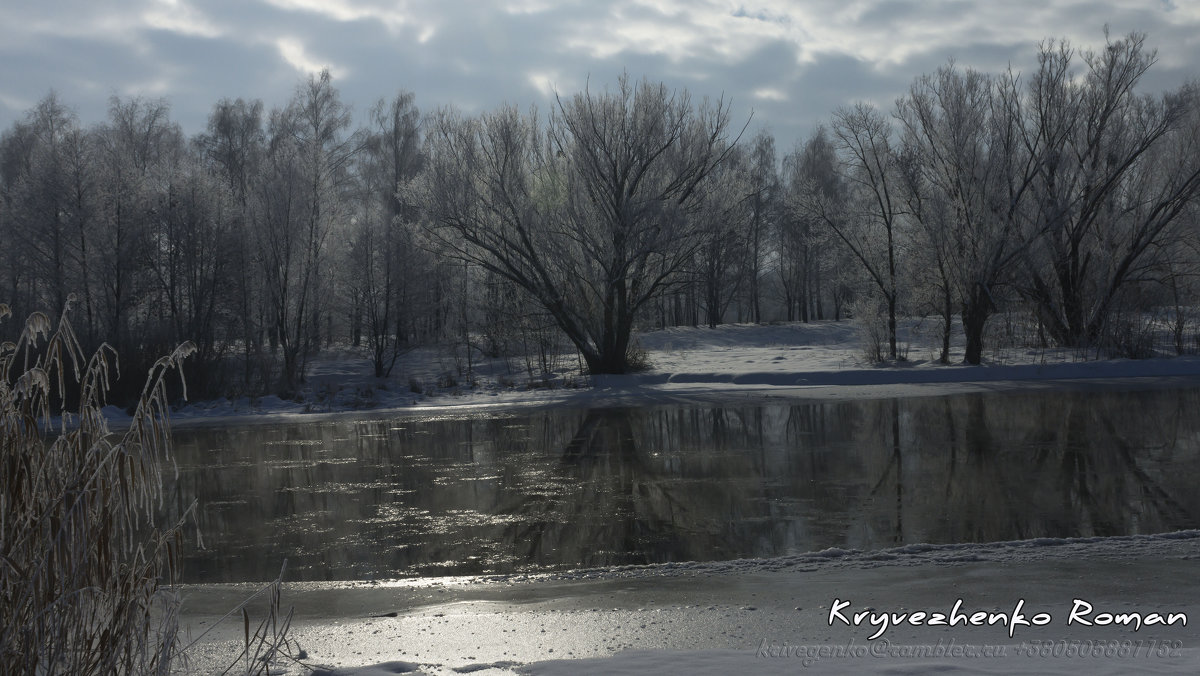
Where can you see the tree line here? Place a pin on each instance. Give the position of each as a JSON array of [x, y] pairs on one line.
[[1065, 195]]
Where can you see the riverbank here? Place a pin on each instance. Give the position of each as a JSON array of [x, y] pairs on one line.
[[736, 362], [1107, 605]]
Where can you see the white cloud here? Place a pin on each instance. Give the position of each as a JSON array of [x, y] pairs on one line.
[[770, 94], [882, 32], [677, 30], [293, 51], [179, 17], [22, 23], [529, 6], [389, 13], [338, 10], [544, 82], [15, 103], [158, 86]]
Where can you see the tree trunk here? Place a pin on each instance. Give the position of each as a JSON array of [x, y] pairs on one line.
[[975, 316], [892, 324], [947, 322]]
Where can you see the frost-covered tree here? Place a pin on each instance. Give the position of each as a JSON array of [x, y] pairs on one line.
[[726, 219], [233, 148], [963, 139], [1116, 171], [590, 214], [812, 265], [40, 237], [763, 202], [191, 256], [932, 267], [133, 151], [301, 201], [1069, 189], [386, 265], [862, 207]]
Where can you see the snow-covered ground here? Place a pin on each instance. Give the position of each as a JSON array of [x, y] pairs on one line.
[[736, 361], [771, 616], [1052, 603]]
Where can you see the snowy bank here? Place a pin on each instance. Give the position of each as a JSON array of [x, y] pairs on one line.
[[769, 616], [736, 362]]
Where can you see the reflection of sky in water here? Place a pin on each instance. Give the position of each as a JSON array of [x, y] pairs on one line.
[[562, 489]]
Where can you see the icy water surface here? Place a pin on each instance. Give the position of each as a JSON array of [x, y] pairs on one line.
[[559, 489]]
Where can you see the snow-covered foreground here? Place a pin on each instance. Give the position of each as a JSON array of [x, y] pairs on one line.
[[733, 362], [1045, 606]]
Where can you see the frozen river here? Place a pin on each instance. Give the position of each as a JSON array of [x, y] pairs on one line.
[[560, 489]]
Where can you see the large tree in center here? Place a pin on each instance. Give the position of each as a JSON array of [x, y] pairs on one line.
[[591, 214]]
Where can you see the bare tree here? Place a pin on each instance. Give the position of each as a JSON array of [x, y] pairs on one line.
[[387, 261], [934, 275], [193, 245], [1116, 171], [812, 262], [726, 221], [43, 213], [15, 144], [234, 147], [865, 208], [590, 218], [135, 145], [963, 130], [302, 198], [764, 187]]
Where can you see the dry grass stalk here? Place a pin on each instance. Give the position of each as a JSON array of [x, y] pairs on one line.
[[269, 642]]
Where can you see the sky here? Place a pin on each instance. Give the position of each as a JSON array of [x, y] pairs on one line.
[[783, 65]]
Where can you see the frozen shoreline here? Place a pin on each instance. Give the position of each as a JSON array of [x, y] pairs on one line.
[[736, 363], [759, 615], [690, 394]]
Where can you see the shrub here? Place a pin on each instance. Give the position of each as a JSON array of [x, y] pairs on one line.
[[636, 358], [85, 572], [415, 386], [873, 330], [1130, 336]]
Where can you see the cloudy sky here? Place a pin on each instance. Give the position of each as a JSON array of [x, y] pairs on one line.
[[790, 62]]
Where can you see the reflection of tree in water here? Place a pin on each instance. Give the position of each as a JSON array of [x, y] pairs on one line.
[[981, 504], [1064, 465], [644, 488], [558, 488], [1140, 488], [829, 464], [896, 467]]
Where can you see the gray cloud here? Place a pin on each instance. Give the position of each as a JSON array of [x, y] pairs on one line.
[[791, 62]]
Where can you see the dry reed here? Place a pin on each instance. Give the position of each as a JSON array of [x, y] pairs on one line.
[[86, 573]]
